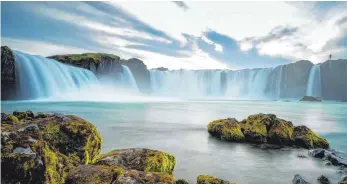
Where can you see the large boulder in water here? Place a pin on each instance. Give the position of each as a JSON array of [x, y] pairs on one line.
[[333, 75], [8, 74], [127, 166], [226, 129], [263, 129], [306, 138], [43, 148], [207, 179], [140, 73], [311, 99]]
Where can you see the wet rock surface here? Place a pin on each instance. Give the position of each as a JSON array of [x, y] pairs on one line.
[[267, 130], [43, 149]]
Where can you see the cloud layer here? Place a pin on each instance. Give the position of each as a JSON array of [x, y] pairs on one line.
[[205, 35]]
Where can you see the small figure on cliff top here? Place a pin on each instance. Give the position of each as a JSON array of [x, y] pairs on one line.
[[330, 56]]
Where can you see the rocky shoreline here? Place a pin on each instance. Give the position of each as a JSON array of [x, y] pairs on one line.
[[56, 148]]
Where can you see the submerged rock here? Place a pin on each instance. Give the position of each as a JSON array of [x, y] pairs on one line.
[[44, 150], [266, 129], [207, 179], [323, 180], [181, 181], [140, 159], [298, 180], [311, 99]]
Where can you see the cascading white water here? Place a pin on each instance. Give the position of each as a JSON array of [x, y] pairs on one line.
[[127, 79], [208, 83], [314, 82], [40, 77]]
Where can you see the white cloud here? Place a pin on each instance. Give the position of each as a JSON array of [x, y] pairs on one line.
[[40, 48]]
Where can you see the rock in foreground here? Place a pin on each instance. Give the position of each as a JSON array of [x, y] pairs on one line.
[[139, 159], [299, 180], [263, 129], [206, 179], [45, 147], [311, 99], [127, 166]]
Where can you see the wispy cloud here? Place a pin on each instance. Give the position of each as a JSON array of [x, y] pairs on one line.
[[181, 4]]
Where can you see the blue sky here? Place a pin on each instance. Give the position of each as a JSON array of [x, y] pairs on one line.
[[192, 35]]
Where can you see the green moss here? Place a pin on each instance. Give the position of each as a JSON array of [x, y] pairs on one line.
[[206, 179], [226, 129], [306, 138], [12, 119], [255, 127], [94, 57], [281, 132], [157, 161], [85, 132], [42, 115]]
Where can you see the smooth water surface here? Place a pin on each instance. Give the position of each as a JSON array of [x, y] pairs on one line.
[[180, 128]]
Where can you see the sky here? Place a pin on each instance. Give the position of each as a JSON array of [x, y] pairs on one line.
[[189, 35]]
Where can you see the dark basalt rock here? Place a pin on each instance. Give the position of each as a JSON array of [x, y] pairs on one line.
[[298, 180], [181, 181], [329, 156], [8, 74], [311, 99], [318, 153], [323, 180], [140, 72], [267, 130], [306, 138], [44, 149]]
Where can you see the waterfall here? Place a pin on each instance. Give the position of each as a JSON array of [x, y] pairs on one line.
[[39, 77], [314, 82], [127, 79], [208, 83]]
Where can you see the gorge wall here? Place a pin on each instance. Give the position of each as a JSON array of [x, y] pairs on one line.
[[22, 74]]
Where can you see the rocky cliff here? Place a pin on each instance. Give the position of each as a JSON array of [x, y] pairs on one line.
[[99, 63], [295, 78], [334, 79], [8, 74], [140, 72]]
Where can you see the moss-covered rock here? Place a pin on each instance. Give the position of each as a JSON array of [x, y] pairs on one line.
[[139, 159], [44, 150], [255, 127], [103, 174], [281, 132], [226, 129], [311, 99], [305, 137], [207, 179], [266, 129]]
